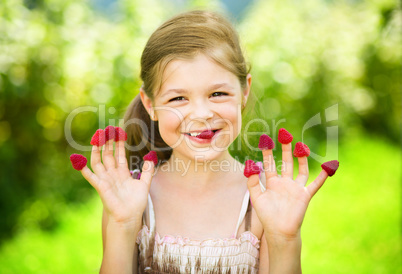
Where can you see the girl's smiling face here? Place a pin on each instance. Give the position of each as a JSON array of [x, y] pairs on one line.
[[198, 95]]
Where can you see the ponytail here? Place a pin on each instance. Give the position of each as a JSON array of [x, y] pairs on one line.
[[142, 136]]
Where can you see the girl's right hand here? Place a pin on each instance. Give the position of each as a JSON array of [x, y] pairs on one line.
[[124, 198]]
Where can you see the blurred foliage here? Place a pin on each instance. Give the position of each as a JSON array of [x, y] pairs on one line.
[[309, 56], [66, 68], [55, 57]]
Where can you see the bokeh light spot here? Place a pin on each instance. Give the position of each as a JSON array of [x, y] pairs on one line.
[[46, 116]]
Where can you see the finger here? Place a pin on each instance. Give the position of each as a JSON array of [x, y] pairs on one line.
[[313, 187], [253, 185], [302, 177], [269, 164], [107, 156], [90, 177], [147, 172], [287, 161], [121, 160], [96, 163]]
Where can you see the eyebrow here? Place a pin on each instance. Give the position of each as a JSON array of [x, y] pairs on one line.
[[183, 91]]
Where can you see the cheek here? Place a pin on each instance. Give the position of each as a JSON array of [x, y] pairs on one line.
[[231, 114], [231, 120], [169, 120]]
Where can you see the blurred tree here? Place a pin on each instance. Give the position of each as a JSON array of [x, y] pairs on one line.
[[57, 57], [311, 55]]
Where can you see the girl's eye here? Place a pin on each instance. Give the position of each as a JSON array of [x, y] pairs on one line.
[[218, 93], [215, 94], [176, 99]]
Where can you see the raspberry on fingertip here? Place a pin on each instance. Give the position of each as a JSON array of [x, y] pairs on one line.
[[98, 139], [284, 136], [109, 133], [120, 134], [301, 150], [78, 161], [266, 142], [330, 167], [151, 156], [251, 168]]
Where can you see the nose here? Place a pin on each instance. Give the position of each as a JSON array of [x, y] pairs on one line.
[[201, 111]]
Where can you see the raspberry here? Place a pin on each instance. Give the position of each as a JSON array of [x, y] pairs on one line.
[[109, 133], [284, 137], [301, 150], [251, 168], [330, 167], [78, 161], [120, 134], [151, 156], [99, 138], [265, 142]]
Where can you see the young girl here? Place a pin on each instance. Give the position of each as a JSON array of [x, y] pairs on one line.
[[190, 212]]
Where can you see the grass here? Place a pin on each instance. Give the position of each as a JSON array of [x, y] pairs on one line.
[[75, 247], [352, 224]]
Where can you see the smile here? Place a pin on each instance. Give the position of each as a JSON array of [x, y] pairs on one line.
[[203, 137], [203, 134]]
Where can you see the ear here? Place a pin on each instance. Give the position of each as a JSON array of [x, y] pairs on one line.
[[147, 103], [246, 91]]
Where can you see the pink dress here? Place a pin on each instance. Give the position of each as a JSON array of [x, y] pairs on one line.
[[170, 254]]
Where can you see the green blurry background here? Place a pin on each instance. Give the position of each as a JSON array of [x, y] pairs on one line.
[[328, 71]]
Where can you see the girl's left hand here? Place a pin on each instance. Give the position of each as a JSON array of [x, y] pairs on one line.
[[282, 206]]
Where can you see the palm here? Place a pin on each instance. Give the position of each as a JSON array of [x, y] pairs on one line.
[[123, 197], [282, 206]]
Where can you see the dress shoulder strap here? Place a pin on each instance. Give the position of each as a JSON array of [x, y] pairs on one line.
[[151, 214], [245, 211]]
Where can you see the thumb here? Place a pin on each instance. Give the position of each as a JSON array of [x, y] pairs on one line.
[[252, 171], [150, 161], [147, 172], [253, 185]]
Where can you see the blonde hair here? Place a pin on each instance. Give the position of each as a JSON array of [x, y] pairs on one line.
[[181, 37]]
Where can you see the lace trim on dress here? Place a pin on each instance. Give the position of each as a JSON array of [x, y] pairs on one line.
[[246, 236]]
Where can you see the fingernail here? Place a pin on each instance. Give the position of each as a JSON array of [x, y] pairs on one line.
[[78, 161], [266, 142]]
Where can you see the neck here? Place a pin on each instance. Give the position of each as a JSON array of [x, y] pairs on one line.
[[199, 174]]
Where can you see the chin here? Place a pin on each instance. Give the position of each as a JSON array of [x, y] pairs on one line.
[[207, 156]]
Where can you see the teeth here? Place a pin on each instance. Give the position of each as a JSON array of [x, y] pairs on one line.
[[194, 134]]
